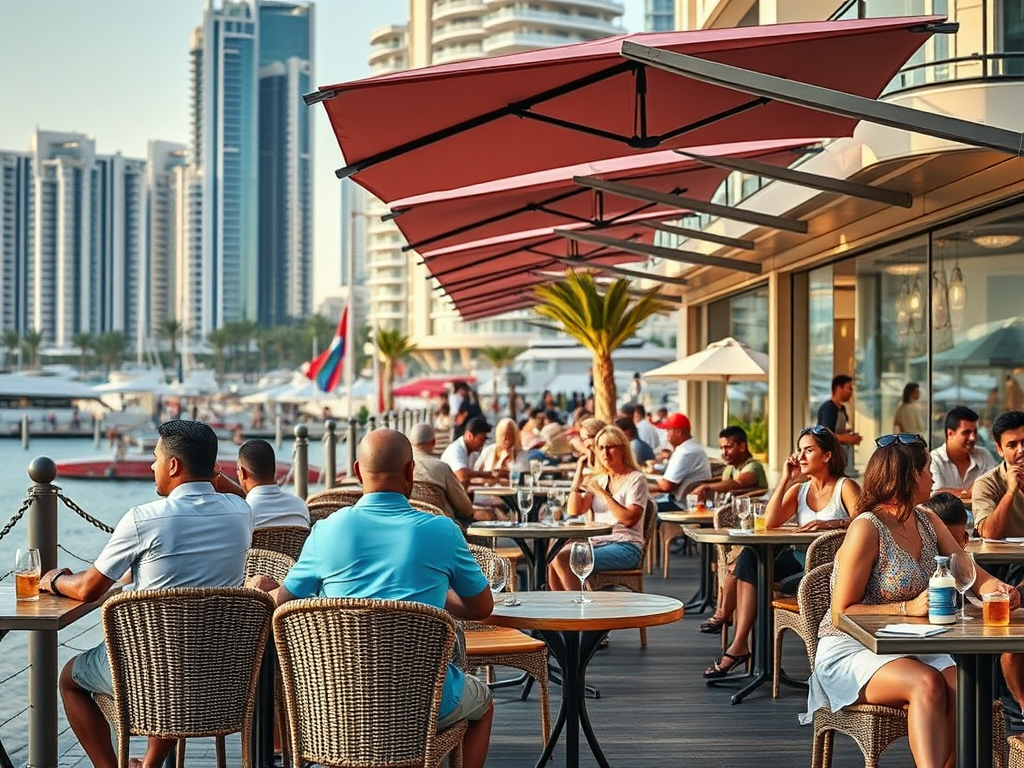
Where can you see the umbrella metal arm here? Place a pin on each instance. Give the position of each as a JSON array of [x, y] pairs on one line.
[[696, 234], [669, 254], [829, 100]]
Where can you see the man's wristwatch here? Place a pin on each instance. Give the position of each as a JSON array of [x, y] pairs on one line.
[[53, 582]]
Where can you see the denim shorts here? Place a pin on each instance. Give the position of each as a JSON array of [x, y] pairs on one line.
[[476, 698], [616, 556], [91, 671]]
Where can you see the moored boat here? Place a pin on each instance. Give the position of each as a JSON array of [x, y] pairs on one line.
[[141, 468]]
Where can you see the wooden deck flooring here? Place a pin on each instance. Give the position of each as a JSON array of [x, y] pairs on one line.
[[655, 710]]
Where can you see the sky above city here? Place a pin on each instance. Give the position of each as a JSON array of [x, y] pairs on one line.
[[117, 70]]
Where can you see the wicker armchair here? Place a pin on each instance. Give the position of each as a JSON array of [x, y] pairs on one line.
[[363, 682], [431, 509], [632, 578], [725, 517], [324, 503], [286, 539], [431, 494], [267, 562], [490, 646], [785, 609], [184, 663]]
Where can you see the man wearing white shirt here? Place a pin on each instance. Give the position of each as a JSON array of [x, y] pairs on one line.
[[461, 453], [687, 465], [958, 463], [271, 505], [647, 432]]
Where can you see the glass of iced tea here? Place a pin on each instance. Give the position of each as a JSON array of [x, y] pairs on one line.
[[27, 570], [995, 609]]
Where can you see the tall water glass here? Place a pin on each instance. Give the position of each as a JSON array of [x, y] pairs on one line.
[[536, 467], [742, 509], [524, 499], [581, 561], [964, 572]]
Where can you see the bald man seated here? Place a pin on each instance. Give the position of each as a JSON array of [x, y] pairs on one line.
[[382, 548], [429, 469]]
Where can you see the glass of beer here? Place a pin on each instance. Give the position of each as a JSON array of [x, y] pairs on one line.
[[995, 610], [758, 509], [27, 570]]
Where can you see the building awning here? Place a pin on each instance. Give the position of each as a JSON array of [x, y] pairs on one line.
[[464, 123], [553, 198]]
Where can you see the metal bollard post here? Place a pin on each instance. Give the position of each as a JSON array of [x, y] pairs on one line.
[[386, 420], [350, 442], [42, 645], [371, 424], [24, 431], [278, 432], [301, 467], [330, 453], [97, 431]]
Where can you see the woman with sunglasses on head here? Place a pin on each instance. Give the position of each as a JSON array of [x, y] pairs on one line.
[[822, 501], [615, 494], [883, 567]]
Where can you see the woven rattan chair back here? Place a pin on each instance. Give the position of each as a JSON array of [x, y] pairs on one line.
[[266, 562], [184, 662], [286, 539], [363, 681], [325, 503], [431, 494], [824, 548], [431, 509], [814, 598]]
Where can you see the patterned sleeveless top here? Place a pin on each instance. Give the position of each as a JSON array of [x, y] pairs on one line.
[[896, 576]]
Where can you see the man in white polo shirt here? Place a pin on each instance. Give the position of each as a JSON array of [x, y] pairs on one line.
[[271, 505], [687, 465], [958, 463]]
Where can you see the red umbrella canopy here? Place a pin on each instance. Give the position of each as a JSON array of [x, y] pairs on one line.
[[551, 199], [459, 124], [428, 386]]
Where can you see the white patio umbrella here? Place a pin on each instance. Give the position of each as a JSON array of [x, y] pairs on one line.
[[725, 361]]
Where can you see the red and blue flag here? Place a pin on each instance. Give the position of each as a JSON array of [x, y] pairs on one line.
[[325, 368]]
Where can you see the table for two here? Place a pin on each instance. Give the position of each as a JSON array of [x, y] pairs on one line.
[[762, 544], [705, 596], [572, 632]]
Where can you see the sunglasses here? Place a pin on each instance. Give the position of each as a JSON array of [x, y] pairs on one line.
[[817, 429], [903, 438]]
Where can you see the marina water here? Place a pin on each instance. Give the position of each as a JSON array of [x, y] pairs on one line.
[[106, 500]]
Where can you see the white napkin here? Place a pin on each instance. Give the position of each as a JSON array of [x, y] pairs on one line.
[[1007, 540], [911, 630], [739, 532]]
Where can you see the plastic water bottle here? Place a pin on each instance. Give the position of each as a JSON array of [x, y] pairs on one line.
[[941, 593]]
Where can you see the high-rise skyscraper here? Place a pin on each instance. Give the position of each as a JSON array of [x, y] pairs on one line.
[[165, 180], [659, 15], [225, 154], [286, 151], [15, 239]]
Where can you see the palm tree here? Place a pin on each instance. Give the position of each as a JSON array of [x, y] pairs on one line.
[[171, 330], [32, 340], [392, 345], [110, 347], [83, 341], [12, 342], [322, 331], [600, 322], [499, 357], [219, 339]]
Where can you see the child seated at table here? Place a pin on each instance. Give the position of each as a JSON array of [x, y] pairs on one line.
[[952, 512]]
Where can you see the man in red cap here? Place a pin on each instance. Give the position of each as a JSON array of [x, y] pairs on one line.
[[687, 465]]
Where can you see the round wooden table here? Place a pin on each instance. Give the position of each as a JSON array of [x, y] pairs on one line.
[[533, 539], [572, 632]]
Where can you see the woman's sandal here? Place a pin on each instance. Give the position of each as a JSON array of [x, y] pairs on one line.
[[718, 671], [713, 626]]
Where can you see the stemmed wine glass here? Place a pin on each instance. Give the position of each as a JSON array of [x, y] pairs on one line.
[[524, 499], [497, 575], [536, 468], [961, 566], [581, 561]]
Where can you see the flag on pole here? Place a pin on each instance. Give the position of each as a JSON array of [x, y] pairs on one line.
[[325, 368]]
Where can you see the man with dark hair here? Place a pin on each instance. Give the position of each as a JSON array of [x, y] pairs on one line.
[[642, 452], [431, 470], [193, 537], [742, 471], [951, 511], [384, 549], [958, 463], [462, 452], [997, 499], [257, 474], [832, 414]]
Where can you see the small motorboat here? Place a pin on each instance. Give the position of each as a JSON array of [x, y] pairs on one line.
[[141, 468]]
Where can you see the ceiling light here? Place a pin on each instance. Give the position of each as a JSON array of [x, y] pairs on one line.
[[996, 241]]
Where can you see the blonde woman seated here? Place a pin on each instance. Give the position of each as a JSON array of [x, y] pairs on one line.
[[814, 490], [499, 457], [616, 494], [883, 567]]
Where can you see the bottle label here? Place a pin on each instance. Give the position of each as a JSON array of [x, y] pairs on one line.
[[941, 604]]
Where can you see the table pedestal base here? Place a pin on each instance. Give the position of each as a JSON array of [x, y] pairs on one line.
[[573, 651], [974, 695], [703, 599]]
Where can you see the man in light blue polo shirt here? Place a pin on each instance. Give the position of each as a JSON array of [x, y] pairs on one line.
[[384, 549], [193, 537]]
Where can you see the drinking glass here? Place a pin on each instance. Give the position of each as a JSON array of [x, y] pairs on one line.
[[581, 560], [536, 466], [758, 509], [995, 609], [27, 570], [497, 575], [524, 499], [961, 566], [742, 509], [514, 473], [692, 505]]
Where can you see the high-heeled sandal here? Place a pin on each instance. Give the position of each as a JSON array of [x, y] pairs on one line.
[[718, 671], [713, 626]]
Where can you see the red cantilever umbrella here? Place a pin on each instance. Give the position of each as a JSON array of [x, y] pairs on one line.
[[459, 124], [551, 198]]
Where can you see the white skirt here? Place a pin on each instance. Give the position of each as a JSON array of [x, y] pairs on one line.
[[842, 667]]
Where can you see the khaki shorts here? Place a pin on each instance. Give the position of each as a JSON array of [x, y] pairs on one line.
[[475, 701]]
